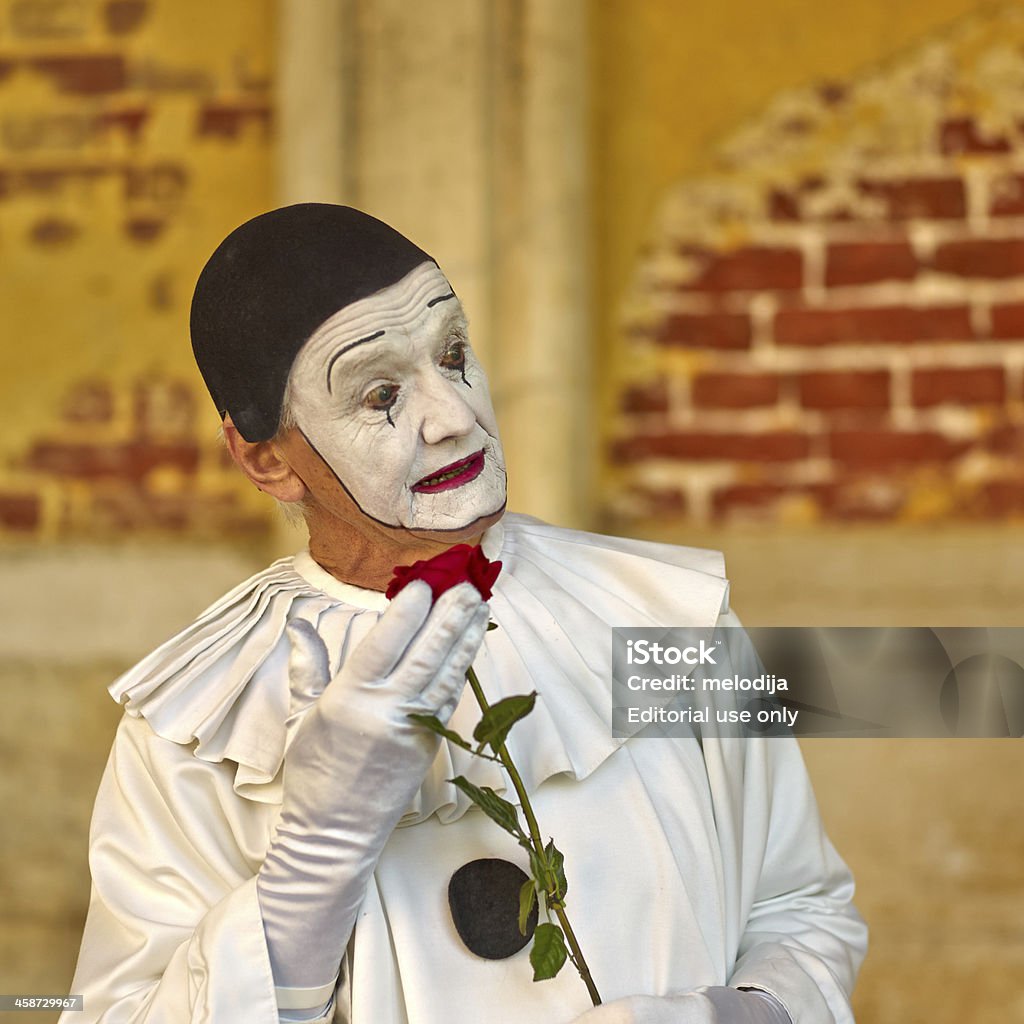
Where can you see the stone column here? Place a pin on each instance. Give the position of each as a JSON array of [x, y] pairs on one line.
[[463, 123]]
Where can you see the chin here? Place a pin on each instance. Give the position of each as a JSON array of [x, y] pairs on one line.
[[465, 533]]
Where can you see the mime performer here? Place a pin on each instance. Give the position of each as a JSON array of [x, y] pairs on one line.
[[275, 840]]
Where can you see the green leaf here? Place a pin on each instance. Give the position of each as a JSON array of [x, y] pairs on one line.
[[497, 809], [527, 897], [491, 625], [433, 723], [556, 864], [494, 726], [538, 868], [548, 953]]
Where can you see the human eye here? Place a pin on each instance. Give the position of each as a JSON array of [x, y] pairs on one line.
[[454, 356], [382, 398]]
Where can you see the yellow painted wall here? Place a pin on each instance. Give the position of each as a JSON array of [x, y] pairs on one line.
[[100, 302], [670, 79]]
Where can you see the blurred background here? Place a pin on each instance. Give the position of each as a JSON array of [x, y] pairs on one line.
[[744, 275]]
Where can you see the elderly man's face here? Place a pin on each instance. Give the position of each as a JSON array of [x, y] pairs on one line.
[[389, 395]]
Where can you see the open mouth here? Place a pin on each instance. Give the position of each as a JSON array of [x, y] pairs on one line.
[[455, 475]]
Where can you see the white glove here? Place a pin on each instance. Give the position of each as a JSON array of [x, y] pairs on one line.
[[355, 764], [715, 1004]]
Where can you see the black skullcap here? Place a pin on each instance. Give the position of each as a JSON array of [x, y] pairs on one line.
[[269, 285]]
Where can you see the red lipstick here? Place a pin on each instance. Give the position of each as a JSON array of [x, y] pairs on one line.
[[455, 475]]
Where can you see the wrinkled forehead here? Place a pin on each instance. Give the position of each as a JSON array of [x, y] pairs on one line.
[[415, 303]]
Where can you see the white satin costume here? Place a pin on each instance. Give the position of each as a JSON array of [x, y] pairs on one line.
[[686, 866]]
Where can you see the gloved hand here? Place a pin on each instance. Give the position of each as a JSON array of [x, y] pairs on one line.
[[714, 1004], [355, 764]]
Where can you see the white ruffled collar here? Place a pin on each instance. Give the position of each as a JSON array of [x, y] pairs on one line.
[[222, 684]]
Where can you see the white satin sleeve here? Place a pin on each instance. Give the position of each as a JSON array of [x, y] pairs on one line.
[[174, 932], [803, 940]]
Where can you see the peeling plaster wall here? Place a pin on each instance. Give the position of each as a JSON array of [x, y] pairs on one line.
[[133, 135], [828, 324]]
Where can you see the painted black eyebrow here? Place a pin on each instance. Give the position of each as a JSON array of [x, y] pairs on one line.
[[440, 298], [348, 348]]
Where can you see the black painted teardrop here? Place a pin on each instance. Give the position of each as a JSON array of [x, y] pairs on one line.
[[484, 899]]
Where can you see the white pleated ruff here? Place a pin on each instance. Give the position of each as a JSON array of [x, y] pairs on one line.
[[223, 685]]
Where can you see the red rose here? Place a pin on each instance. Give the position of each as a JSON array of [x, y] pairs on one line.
[[460, 564]]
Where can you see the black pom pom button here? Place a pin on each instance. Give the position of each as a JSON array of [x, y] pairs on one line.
[[484, 900]]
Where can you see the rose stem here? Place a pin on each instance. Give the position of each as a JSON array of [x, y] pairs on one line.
[[538, 844]]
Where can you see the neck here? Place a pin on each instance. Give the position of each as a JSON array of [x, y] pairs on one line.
[[367, 557]]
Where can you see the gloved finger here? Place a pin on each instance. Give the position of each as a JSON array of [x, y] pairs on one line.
[[447, 709], [450, 679], [452, 614], [308, 664], [382, 648]]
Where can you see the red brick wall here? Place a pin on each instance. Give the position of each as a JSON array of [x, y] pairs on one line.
[[133, 135], [133, 461], [832, 325]]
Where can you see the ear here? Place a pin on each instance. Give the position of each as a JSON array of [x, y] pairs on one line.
[[263, 463]]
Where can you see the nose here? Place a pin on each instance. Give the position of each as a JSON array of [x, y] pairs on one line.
[[445, 413]]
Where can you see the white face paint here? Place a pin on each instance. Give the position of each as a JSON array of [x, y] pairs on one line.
[[389, 394]]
